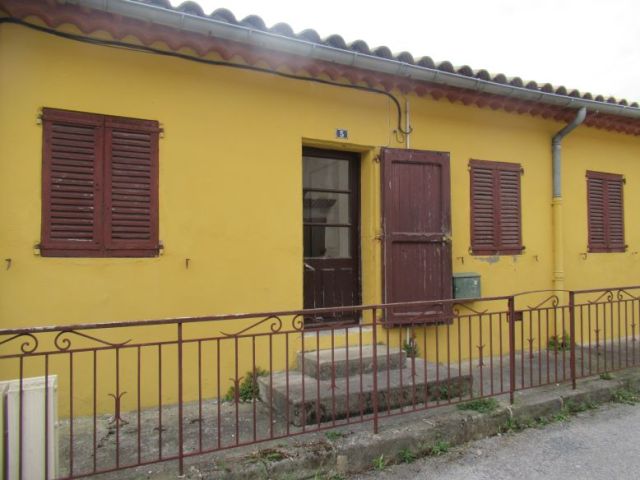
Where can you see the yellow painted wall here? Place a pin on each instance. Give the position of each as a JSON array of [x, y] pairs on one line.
[[230, 190]]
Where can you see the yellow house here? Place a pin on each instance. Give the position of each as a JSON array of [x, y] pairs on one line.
[[158, 162]]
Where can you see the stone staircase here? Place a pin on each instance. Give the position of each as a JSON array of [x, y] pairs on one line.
[[336, 387]]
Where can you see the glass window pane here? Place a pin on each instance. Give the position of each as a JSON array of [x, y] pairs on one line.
[[329, 173], [327, 242], [325, 207]]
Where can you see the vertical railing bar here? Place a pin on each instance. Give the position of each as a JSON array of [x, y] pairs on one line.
[[572, 338], [539, 322], [589, 329], [20, 417], [160, 401], [95, 409], [522, 351], [139, 420], [470, 353], [218, 403], [375, 371], [459, 322], [491, 315], [304, 403], [348, 373], [437, 325], [236, 387], [317, 379], [180, 404], [480, 356], [200, 420], [512, 350], [564, 348], [46, 420], [333, 377], [286, 367], [449, 363], [117, 412], [530, 341], [604, 338], [360, 397], [387, 347], [424, 349], [402, 368], [253, 386], [70, 413], [501, 353], [270, 386]]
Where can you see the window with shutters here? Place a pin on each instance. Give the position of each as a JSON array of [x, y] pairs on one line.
[[605, 212], [496, 227], [99, 185]]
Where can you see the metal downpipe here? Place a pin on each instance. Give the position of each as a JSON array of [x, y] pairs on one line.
[[556, 205]]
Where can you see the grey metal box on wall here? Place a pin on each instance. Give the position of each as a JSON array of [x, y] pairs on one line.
[[466, 285]]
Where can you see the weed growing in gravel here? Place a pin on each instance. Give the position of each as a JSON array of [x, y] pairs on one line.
[[482, 405], [248, 389], [333, 436], [606, 376], [441, 447], [379, 463], [407, 456], [626, 396], [410, 348], [559, 343]]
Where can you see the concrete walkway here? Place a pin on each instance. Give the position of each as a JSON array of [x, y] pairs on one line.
[[598, 444]]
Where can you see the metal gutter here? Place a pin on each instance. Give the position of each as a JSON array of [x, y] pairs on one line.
[[294, 46]]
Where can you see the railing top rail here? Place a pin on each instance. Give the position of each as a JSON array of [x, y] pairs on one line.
[[240, 316], [287, 313]]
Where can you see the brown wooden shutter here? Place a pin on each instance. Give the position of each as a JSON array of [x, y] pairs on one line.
[[483, 222], [496, 223], [416, 209], [605, 205], [71, 183], [131, 179], [510, 238]]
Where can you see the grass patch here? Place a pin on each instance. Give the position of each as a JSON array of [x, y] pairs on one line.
[[407, 456], [606, 376], [482, 405], [333, 435], [380, 463], [248, 389], [626, 396]]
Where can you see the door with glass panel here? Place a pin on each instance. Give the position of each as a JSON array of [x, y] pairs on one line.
[[331, 218]]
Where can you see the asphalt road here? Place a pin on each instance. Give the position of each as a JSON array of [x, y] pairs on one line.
[[598, 444]]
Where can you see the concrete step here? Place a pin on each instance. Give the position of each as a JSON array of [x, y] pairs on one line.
[[348, 361], [353, 395]]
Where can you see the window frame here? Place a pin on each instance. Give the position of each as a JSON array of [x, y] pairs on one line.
[[607, 246], [101, 246], [498, 247]]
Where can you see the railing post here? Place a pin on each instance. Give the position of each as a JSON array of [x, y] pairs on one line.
[[572, 338], [180, 412], [512, 349], [375, 371]]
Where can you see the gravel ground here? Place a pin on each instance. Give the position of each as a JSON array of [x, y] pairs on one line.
[[597, 444]]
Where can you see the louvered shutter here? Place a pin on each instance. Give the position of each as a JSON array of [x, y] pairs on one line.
[[71, 183], [483, 226], [496, 225], [510, 237], [131, 199], [605, 205]]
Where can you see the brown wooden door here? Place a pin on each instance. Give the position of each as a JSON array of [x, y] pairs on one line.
[[416, 231], [331, 217]]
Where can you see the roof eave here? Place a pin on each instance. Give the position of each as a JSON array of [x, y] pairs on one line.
[[294, 46]]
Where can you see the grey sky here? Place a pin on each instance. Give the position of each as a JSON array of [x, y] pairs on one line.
[[591, 45]]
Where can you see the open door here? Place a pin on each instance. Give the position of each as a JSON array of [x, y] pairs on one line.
[[416, 222]]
